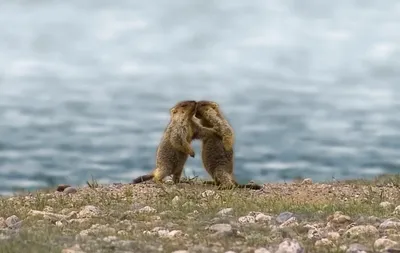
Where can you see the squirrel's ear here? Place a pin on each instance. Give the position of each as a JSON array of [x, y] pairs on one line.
[[214, 105], [172, 110]]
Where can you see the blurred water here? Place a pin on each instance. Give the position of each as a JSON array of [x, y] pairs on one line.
[[312, 88]]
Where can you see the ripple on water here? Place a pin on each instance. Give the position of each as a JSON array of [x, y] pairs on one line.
[[87, 91]]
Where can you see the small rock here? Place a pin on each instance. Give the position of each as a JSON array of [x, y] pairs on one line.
[[282, 217], [367, 231], [247, 219], [163, 233], [88, 212], [334, 236], [370, 220], [136, 206], [13, 222], [175, 233], [289, 223], [188, 204], [2, 223], [220, 227], [62, 187], [314, 234], [78, 221], [261, 250], [175, 200], [386, 205], [324, 242], [146, 209], [74, 249], [390, 223], [263, 218], [341, 219], [223, 230], [383, 243], [290, 246], [357, 248], [225, 211], [4, 237], [338, 218], [397, 210], [48, 209], [168, 181], [65, 210], [207, 193], [70, 190], [110, 238], [122, 233], [180, 251], [307, 181], [59, 223]]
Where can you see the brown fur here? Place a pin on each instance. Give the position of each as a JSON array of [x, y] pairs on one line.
[[175, 147], [218, 155]]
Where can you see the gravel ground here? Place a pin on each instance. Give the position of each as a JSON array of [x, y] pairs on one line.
[[301, 216]]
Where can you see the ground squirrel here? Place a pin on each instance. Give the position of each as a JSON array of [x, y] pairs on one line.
[[218, 154], [175, 147]]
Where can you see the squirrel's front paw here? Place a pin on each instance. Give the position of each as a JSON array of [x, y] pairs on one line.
[[228, 143]]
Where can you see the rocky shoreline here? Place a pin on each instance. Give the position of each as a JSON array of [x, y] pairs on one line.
[[351, 216]]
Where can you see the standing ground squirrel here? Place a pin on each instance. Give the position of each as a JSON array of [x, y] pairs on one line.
[[174, 148], [218, 155]]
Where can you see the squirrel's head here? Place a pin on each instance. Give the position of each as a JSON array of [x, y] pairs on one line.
[[187, 108], [205, 106]]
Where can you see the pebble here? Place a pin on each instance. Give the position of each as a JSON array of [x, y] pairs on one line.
[[2, 223], [62, 187], [220, 228], [175, 233], [96, 229], [337, 219], [307, 181], [13, 222], [314, 234], [261, 250], [59, 224], [175, 200], [367, 231], [74, 249], [146, 209], [334, 236], [263, 218], [70, 190], [397, 210], [48, 209], [88, 211], [386, 205], [282, 217], [4, 237], [180, 251], [383, 243], [390, 223], [357, 248], [207, 193], [110, 238], [225, 211], [290, 246], [247, 219], [291, 222], [324, 242]]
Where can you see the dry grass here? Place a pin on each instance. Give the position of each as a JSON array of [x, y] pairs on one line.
[[185, 207]]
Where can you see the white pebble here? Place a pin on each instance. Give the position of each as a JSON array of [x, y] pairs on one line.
[[247, 219], [225, 211]]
